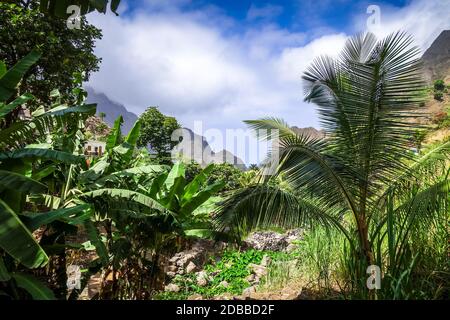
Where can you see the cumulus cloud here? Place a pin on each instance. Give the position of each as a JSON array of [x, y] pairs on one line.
[[423, 19], [196, 66]]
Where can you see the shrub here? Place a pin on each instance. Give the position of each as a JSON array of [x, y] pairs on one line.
[[439, 85], [228, 173], [438, 95], [192, 169]]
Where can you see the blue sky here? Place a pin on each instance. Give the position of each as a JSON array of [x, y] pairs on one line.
[[220, 62], [290, 14]]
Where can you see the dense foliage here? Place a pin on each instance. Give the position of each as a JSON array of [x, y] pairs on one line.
[[128, 208], [156, 132], [66, 52], [364, 196], [363, 179]]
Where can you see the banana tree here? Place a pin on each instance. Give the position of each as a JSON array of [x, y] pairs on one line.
[[23, 170], [144, 208]]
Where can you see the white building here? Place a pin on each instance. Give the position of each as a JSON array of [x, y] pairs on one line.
[[94, 148]]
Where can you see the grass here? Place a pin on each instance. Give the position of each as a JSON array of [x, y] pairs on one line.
[[322, 267]]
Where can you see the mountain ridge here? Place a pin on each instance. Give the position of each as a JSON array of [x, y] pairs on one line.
[[111, 109], [436, 59]]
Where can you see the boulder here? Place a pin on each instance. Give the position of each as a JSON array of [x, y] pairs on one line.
[[224, 296], [251, 278], [258, 270], [172, 287], [273, 241], [202, 278], [191, 267], [193, 258], [291, 247], [247, 292]]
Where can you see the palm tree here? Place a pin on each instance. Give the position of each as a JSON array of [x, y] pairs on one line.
[[364, 168]]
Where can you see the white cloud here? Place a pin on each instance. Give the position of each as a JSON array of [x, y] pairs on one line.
[[423, 19], [194, 67]]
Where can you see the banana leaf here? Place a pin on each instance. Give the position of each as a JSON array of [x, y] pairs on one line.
[[58, 8], [201, 197], [12, 77], [4, 275], [36, 220], [18, 182], [7, 108], [18, 241], [33, 286], [125, 194], [48, 154], [115, 135], [95, 239]]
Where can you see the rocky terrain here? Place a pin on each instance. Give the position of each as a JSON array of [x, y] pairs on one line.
[[192, 264]]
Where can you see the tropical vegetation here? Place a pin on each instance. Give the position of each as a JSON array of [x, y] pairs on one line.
[[371, 194]]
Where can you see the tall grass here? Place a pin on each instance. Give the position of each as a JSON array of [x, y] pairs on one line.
[[419, 267]]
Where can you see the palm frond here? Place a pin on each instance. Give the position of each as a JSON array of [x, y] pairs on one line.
[[365, 100], [266, 206]]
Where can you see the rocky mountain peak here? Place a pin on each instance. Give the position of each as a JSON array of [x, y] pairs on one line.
[[436, 59]]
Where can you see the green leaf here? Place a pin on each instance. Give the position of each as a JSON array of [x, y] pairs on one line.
[[18, 241], [125, 194], [133, 135], [18, 182], [194, 186], [177, 170], [130, 142], [158, 185], [48, 154], [2, 68], [199, 233], [39, 219], [60, 112], [118, 176], [95, 239], [12, 77], [115, 6], [4, 274], [171, 200], [94, 172], [33, 286], [44, 172], [47, 200], [115, 136], [6, 109], [201, 197]]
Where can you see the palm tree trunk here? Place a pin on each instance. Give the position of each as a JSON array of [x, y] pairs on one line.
[[364, 240]]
